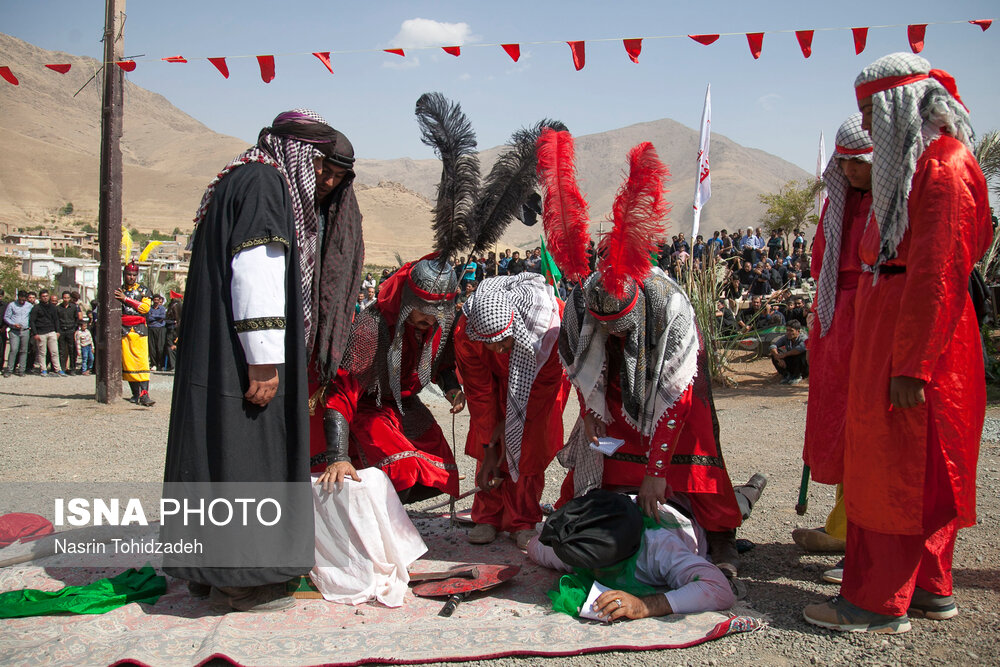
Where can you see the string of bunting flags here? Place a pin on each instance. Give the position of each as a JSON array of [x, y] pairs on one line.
[[915, 34]]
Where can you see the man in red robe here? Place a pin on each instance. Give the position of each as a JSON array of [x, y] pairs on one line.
[[373, 415], [642, 376], [507, 354], [848, 179], [917, 397]]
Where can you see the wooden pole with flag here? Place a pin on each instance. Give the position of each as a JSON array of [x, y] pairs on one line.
[[109, 274], [703, 182]]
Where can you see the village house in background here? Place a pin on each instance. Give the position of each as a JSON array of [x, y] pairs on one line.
[[70, 258]]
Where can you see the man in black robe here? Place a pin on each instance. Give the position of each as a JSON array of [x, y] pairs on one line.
[[278, 238]]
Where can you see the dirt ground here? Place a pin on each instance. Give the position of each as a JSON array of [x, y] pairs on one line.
[[51, 429]]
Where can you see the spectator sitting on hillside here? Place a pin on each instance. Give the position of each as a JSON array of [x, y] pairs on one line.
[[779, 274], [761, 280], [369, 281], [746, 276], [725, 319], [788, 354], [773, 315], [797, 311], [794, 280], [751, 317]]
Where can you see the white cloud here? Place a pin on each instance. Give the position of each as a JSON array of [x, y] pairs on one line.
[[769, 102], [427, 32], [464, 77]]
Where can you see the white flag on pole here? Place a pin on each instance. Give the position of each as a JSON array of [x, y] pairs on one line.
[[703, 184], [820, 167]]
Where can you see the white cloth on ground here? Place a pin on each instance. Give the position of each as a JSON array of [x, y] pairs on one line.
[[364, 541], [672, 556]]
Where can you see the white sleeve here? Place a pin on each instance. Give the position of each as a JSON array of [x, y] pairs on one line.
[[545, 556], [697, 584], [258, 293]]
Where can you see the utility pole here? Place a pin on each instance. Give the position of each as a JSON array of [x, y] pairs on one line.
[[109, 318]]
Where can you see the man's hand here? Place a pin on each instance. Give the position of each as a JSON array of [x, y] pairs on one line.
[[906, 392], [593, 428], [489, 475], [263, 383], [652, 490], [457, 399], [613, 605], [335, 474], [119, 294]]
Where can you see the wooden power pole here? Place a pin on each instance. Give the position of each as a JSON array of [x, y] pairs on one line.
[[109, 318]]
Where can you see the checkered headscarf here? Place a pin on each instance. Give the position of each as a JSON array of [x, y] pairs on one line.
[[294, 158], [853, 143], [524, 308], [912, 105]]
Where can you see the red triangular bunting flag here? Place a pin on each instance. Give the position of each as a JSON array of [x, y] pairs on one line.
[[579, 54], [62, 69], [756, 42], [452, 50], [704, 39], [324, 57], [8, 76], [266, 68], [805, 38], [398, 52], [175, 59], [513, 50], [983, 23], [633, 47], [860, 39], [176, 295], [915, 33], [220, 64], [126, 65]]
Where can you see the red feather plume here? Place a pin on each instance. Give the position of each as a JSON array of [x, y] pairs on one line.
[[565, 212], [639, 214]]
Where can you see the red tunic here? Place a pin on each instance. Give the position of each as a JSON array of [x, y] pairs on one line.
[[411, 448], [921, 324], [830, 353], [484, 380], [693, 455]]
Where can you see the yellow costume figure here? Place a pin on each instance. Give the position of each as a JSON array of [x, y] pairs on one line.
[[136, 300]]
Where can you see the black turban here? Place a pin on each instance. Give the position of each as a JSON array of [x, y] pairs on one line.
[[594, 531]]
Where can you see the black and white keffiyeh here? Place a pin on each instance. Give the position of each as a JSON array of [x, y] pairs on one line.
[[660, 362], [910, 109], [853, 143], [522, 307], [295, 159]]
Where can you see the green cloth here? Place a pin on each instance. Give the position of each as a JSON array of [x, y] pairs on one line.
[[572, 589], [96, 598], [549, 268]]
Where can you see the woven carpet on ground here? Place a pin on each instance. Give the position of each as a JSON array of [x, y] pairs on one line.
[[512, 619]]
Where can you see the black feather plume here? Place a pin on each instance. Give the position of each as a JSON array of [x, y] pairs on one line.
[[446, 129], [509, 184]]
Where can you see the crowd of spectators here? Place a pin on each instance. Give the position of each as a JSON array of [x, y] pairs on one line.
[[51, 334]]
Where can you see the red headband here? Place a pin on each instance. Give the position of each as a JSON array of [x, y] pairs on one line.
[[494, 335], [878, 85], [622, 313], [428, 296], [853, 151]]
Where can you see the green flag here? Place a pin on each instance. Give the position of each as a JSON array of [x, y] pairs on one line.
[[549, 269]]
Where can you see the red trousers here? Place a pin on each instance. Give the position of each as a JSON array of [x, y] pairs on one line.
[[881, 570], [512, 506]]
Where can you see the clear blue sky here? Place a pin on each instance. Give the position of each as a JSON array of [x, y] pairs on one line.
[[779, 103]]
